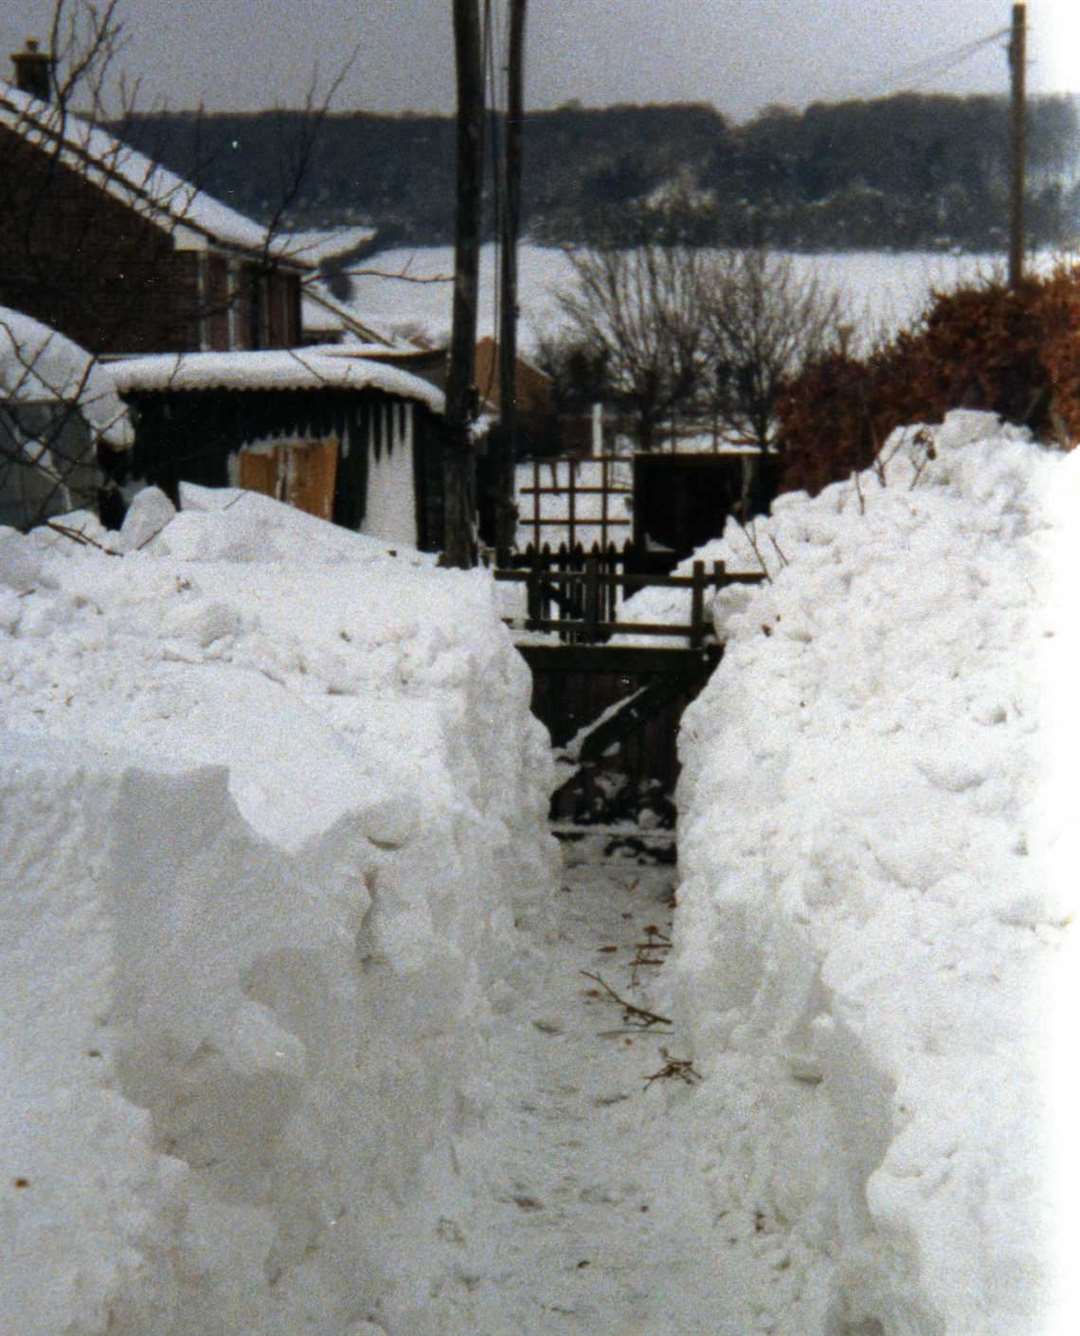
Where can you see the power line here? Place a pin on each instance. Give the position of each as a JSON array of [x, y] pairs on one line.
[[927, 69], [944, 64]]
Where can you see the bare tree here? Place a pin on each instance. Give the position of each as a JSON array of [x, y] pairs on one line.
[[763, 322], [636, 306]]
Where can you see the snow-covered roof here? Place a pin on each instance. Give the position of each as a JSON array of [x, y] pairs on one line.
[[322, 311], [321, 244], [155, 193], [270, 369], [39, 364]]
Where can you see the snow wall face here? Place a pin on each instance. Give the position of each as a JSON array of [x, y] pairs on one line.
[[270, 803], [873, 910]]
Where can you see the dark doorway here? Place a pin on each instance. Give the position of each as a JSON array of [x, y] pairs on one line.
[[681, 501]]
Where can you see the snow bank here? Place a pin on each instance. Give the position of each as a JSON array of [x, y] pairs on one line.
[[873, 919], [271, 802]]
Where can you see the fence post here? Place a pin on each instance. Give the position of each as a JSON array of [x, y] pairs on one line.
[[571, 470], [592, 609], [604, 477], [532, 590], [536, 503], [697, 607]]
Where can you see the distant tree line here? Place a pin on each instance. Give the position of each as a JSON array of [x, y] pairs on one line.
[[909, 171]]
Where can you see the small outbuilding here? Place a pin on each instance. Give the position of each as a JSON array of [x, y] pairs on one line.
[[682, 500], [338, 435], [58, 405]]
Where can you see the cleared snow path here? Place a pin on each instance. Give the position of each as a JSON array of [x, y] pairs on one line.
[[583, 1225]]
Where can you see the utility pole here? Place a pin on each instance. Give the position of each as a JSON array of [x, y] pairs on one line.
[[505, 504], [1017, 109], [459, 469]]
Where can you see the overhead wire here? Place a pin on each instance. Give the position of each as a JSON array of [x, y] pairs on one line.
[[927, 69], [944, 64]]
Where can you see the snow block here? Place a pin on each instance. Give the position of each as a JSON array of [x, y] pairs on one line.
[[265, 830]]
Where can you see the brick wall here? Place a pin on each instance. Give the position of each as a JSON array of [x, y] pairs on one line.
[[78, 260]]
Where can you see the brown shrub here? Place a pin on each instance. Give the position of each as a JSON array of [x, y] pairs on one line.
[[1015, 353]]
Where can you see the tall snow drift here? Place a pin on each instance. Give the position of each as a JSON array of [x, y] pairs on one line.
[[874, 919], [271, 802]]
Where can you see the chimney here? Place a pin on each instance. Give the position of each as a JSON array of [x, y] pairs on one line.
[[33, 71]]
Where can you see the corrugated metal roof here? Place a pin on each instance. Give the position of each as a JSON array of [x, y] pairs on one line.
[[269, 369]]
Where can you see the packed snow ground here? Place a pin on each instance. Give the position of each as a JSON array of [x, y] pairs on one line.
[[297, 1037]]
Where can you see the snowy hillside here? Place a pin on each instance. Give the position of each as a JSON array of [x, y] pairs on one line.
[[884, 290], [877, 846], [272, 800]]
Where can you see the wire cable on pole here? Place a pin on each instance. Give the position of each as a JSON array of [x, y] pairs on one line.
[[926, 69]]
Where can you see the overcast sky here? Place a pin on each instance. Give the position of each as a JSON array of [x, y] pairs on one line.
[[739, 55]]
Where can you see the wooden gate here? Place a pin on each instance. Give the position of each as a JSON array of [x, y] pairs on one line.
[[613, 710]]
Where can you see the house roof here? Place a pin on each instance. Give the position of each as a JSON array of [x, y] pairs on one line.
[[152, 191], [533, 386], [270, 369]]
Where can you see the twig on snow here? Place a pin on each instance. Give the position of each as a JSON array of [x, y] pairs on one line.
[[924, 439], [751, 538], [783, 560], [641, 1018], [77, 536], [857, 480], [679, 1068]]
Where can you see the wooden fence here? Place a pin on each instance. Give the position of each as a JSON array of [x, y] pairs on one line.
[[575, 516], [577, 593]]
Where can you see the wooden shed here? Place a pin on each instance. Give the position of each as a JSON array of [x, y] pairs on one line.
[[682, 500], [339, 436]]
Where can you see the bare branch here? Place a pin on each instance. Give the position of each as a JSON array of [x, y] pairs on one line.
[[638, 1016], [83, 539], [401, 275]]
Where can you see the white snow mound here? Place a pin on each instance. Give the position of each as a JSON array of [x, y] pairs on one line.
[[271, 802], [873, 919]]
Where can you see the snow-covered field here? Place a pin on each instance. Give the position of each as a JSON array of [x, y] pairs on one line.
[[295, 1036], [883, 290]]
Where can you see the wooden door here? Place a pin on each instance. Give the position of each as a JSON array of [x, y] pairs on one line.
[[259, 472], [310, 477], [301, 473]]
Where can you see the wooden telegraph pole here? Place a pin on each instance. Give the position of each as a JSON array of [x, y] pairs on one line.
[[505, 505], [1017, 84], [459, 470]]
